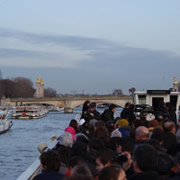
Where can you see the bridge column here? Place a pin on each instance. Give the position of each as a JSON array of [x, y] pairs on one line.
[[68, 108]]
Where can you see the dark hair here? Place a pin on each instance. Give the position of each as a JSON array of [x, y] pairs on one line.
[[101, 133], [138, 122], [155, 143], [112, 106], [100, 124], [73, 124], [82, 170], [157, 134], [96, 144], [75, 160], [110, 173], [92, 105], [51, 160], [146, 157], [105, 156], [85, 106], [127, 104], [63, 153], [168, 126], [114, 143], [165, 163], [79, 148]]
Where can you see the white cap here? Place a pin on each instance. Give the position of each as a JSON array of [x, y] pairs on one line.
[[81, 122], [150, 117]]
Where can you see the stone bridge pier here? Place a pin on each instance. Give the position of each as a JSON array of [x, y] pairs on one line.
[[68, 107]]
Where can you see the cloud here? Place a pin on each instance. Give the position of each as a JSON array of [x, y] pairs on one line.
[[37, 50], [72, 41]]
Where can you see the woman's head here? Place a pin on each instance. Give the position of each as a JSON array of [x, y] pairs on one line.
[[73, 123]]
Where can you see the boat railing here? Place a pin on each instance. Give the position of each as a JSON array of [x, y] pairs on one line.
[[34, 168]]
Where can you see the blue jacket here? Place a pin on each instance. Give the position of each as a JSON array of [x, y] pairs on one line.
[[45, 175], [125, 131]]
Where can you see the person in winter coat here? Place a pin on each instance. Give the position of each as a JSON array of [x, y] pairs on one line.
[[72, 128], [172, 112], [124, 127], [145, 159], [177, 175], [161, 112], [125, 111], [50, 163], [85, 109], [92, 113], [128, 113], [169, 137], [108, 114]]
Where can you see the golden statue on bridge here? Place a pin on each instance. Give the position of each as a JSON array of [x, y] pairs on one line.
[[175, 80], [175, 84]]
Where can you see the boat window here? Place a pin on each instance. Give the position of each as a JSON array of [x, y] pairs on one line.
[[173, 100], [156, 101], [142, 99]]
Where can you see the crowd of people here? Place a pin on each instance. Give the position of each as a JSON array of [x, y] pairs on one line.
[[101, 147]]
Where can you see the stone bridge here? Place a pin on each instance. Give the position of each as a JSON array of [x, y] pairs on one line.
[[68, 103]]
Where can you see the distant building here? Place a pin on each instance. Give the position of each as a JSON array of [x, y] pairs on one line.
[[39, 88]]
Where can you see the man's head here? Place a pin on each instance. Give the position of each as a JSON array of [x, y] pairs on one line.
[[169, 127], [103, 159], [50, 161], [112, 107], [92, 107], [142, 133], [127, 105], [144, 158]]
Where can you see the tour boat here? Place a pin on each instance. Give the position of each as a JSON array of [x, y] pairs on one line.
[[29, 112], [153, 97], [5, 123]]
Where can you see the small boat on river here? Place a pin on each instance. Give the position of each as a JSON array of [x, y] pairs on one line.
[[5, 123]]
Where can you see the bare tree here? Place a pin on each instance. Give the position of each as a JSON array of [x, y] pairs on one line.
[[7, 88], [23, 87], [117, 92], [49, 92]]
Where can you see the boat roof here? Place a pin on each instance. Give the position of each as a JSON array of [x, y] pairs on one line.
[[157, 92]]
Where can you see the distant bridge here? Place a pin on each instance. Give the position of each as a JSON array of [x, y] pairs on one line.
[[68, 103]]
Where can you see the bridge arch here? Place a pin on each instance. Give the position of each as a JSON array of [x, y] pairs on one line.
[[81, 102]]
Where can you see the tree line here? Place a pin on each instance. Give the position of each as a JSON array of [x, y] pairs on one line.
[[21, 87]]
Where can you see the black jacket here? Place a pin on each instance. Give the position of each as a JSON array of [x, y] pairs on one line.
[[145, 176], [44, 175], [176, 177], [96, 115], [125, 113], [169, 143], [107, 115]]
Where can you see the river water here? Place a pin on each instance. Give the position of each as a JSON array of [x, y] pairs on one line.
[[18, 147]]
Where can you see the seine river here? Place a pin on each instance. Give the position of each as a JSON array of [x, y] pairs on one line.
[[18, 147]]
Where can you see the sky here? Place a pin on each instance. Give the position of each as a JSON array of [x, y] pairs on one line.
[[91, 46]]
